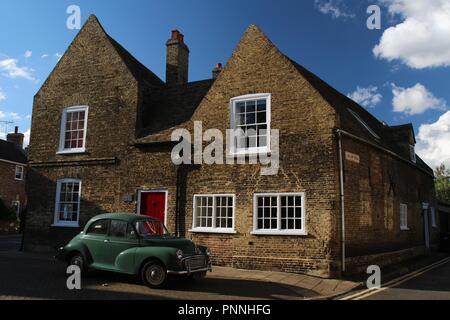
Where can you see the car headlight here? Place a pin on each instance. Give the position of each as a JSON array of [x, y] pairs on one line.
[[179, 254]]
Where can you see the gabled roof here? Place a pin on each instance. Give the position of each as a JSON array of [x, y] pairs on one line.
[[11, 152]]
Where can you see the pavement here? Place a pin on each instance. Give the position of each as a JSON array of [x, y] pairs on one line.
[[25, 275]]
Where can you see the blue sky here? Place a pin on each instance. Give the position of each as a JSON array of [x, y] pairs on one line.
[[408, 72]]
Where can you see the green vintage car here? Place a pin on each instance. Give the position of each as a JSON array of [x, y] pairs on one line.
[[136, 245]]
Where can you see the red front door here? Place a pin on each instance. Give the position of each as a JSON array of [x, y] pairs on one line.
[[153, 204]]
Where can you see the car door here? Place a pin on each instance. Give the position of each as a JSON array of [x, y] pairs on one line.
[[121, 237], [96, 240]]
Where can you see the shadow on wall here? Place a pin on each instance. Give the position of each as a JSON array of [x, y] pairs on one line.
[[39, 232]]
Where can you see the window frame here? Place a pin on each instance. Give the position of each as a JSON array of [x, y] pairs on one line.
[[21, 173], [279, 231], [56, 222], [62, 133], [249, 97], [404, 220], [214, 229]]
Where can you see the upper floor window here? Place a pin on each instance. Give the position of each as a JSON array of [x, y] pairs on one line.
[[19, 173], [67, 206], [73, 130], [250, 119], [412, 153]]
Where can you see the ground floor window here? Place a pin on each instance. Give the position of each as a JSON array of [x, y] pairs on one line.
[[67, 207], [403, 216], [213, 213], [279, 213]]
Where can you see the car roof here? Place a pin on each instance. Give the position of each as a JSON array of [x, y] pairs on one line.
[[128, 217]]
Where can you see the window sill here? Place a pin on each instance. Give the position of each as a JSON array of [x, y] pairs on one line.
[[404, 229], [278, 233], [74, 151], [65, 225], [217, 231], [18, 179]]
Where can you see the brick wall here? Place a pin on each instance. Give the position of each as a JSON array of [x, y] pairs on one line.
[[10, 188]]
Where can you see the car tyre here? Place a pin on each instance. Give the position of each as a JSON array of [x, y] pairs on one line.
[[77, 260], [154, 274]]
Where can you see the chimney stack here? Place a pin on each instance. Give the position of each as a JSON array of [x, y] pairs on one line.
[[217, 70], [177, 59], [16, 137]]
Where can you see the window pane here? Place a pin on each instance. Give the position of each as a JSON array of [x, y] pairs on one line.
[[118, 229], [99, 228], [251, 106]]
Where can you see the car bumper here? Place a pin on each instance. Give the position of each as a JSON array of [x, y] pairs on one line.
[[188, 268]]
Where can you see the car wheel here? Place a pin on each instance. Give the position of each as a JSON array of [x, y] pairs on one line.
[[77, 260], [154, 274]]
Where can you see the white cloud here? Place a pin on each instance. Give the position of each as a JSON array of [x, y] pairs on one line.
[[2, 95], [415, 100], [367, 97], [433, 142], [26, 139], [422, 39], [9, 68], [334, 8], [9, 115], [28, 54], [45, 55]]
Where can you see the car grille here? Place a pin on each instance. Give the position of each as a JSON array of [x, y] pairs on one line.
[[196, 262]]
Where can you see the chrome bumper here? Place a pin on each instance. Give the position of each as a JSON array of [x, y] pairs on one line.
[[188, 272]]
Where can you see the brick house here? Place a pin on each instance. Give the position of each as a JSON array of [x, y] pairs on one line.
[[349, 191], [13, 171]]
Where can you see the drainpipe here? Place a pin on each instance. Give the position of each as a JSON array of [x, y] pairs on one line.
[[341, 195], [177, 201]]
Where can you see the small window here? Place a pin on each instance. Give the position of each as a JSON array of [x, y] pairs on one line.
[[363, 123], [403, 216], [99, 228], [19, 173], [118, 229], [279, 214], [213, 213], [412, 153], [73, 130], [67, 207], [433, 218], [250, 120], [15, 206]]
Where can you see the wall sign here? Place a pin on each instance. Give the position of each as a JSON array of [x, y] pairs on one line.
[[352, 157]]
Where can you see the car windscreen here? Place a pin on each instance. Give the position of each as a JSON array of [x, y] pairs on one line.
[[151, 228]]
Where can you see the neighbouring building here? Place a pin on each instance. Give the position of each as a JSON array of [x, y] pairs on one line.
[[13, 172], [350, 190]]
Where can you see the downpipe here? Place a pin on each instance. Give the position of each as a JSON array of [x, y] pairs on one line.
[[342, 198]]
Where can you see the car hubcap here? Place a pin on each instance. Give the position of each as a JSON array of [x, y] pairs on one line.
[[155, 275]]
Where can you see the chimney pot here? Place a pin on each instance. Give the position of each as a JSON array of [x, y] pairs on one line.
[[16, 129], [217, 70]]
